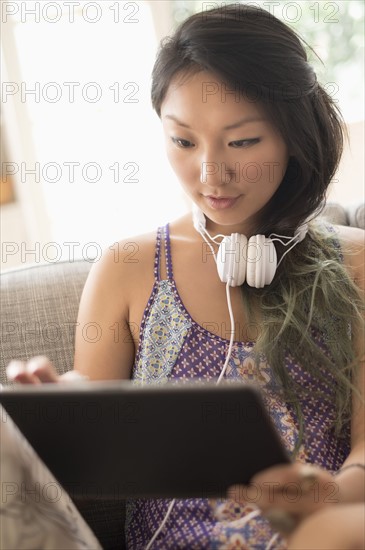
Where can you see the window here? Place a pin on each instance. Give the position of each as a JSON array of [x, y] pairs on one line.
[[85, 146]]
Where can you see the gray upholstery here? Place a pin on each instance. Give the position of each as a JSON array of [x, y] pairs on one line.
[[353, 215], [39, 309], [356, 215]]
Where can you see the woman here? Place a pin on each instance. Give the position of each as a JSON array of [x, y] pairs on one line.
[[254, 140]]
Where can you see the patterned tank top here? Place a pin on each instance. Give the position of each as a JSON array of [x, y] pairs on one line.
[[173, 346]]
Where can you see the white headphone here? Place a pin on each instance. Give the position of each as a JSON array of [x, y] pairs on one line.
[[240, 259]]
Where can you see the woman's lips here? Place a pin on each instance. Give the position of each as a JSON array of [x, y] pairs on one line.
[[220, 203]]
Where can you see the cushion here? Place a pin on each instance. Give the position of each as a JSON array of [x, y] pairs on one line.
[[39, 305], [334, 213], [356, 214]]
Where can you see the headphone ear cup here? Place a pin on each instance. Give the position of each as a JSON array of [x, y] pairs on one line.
[[261, 261], [231, 259], [271, 261]]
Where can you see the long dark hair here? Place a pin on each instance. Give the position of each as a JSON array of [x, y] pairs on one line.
[[254, 52], [248, 47]]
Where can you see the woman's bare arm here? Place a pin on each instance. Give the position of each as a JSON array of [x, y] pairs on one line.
[[104, 348]]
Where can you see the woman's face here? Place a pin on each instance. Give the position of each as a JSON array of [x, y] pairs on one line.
[[228, 157]]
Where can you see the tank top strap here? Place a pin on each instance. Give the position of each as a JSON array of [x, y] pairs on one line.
[[167, 243], [157, 262]]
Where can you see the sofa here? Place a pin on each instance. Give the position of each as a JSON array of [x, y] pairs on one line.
[[39, 306]]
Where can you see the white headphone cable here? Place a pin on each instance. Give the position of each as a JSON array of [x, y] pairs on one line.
[[232, 332], [297, 238], [202, 232], [171, 505], [285, 253], [271, 541], [158, 531]]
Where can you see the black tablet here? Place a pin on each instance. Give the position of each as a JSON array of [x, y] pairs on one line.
[[118, 439]]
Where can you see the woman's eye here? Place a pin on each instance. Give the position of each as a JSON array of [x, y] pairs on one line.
[[183, 143], [244, 142]]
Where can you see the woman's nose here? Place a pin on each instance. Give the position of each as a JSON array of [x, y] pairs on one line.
[[216, 173]]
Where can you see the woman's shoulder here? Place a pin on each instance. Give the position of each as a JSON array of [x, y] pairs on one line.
[[129, 256], [344, 242], [353, 237], [122, 276], [133, 257]]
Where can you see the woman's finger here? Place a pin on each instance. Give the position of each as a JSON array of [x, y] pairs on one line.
[[17, 371], [42, 368], [39, 369]]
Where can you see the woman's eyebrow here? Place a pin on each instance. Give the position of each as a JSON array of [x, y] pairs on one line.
[[241, 122]]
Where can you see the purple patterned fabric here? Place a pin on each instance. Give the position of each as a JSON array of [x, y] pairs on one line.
[[174, 347]]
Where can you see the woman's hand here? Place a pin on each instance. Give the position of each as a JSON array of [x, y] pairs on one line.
[[288, 494], [38, 370]]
